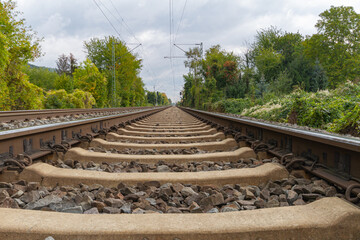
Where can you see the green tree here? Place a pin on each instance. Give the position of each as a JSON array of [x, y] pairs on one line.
[[221, 65], [127, 69], [319, 79], [40, 76], [88, 78], [65, 82], [261, 87], [337, 44], [150, 97], [273, 52], [157, 97], [194, 62], [211, 78], [18, 45], [138, 93], [268, 62]]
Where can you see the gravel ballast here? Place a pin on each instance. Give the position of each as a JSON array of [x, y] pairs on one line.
[[162, 166], [152, 197], [16, 124], [154, 151]]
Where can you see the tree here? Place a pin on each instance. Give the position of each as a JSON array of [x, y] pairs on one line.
[[73, 63], [150, 97], [273, 52], [65, 82], [127, 69], [337, 44], [319, 78], [18, 45], [193, 62], [88, 78], [41, 76], [66, 64], [211, 78], [261, 87], [282, 84], [63, 65], [221, 65], [268, 62], [157, 97]]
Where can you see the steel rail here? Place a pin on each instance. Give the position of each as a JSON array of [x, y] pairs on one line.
[[6, 116], [345, 142], [38, 141], [331, 157]]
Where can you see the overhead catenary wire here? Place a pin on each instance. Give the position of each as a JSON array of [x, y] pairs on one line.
[[128, 29], [108, 20], [171, 23], [181, 18], [147, 66], [175, 37], [122, 22], [108, 14]]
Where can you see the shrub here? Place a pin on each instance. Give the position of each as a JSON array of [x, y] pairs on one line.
[[61, 99]]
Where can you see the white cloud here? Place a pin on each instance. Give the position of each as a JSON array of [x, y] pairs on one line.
[[53, 47], [54, 25]]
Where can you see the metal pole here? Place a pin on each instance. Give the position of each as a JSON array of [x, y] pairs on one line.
[[155, 96], [113, 85]]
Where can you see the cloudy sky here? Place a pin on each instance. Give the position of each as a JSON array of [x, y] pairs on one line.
[[65, 25]]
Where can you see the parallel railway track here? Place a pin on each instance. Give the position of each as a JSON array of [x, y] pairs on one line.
[[6, 116], [221, 177]]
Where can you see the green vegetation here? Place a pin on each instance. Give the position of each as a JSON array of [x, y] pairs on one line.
[[127, 89], [88, 78], [18, 45], [157, 99], [40, 76], [333, 110], [286, 77], [59, 99], [93, 83]]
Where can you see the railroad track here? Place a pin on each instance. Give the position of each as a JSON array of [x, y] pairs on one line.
[[170, 173], [10, 120]]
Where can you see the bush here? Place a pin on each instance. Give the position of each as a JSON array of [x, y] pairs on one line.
[[22, 94], [336, 110], [230, 105], [61, 99], [348, 124]]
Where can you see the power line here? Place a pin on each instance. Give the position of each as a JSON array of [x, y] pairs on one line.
[[107, 19], [170, 26], [171, 23], [182, 15], [128, 29], [123, 22]]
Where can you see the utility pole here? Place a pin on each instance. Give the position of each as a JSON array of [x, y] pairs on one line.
[[113, 83], [155, 96], [188, 44], [201, 48]]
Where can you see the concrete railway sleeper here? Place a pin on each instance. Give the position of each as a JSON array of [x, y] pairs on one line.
[[216, 181]]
